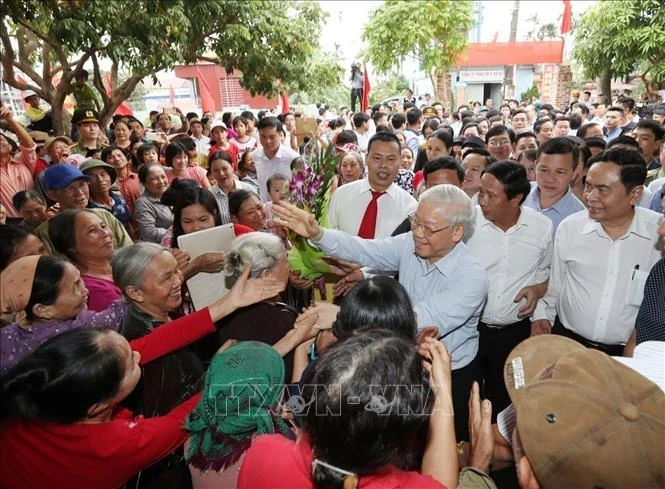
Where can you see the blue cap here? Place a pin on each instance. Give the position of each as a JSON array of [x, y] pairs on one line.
[[59, 176]]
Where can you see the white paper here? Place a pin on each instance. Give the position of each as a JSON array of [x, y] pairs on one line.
[[206, 288]]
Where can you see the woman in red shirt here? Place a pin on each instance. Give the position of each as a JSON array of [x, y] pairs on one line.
[[61, 421]]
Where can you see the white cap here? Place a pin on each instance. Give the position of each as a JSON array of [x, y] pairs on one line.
[[218, 124], [28, 94]]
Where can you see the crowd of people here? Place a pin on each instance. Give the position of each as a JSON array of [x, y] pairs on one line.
[[497, 274]]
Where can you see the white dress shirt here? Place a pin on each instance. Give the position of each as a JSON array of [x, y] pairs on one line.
[[265, 168], [349, 202], [513, 259], [592, 276]]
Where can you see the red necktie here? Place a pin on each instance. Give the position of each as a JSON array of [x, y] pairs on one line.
[[368, 224]]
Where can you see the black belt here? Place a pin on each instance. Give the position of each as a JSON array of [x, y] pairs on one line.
[[604, 347], [498, 327]]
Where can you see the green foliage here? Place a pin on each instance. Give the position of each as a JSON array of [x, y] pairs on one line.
[[265, 40], [623, 37], [531, 94], [435, 31], [389, 87], [323, 82]]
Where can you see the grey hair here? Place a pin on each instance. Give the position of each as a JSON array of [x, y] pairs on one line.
[[260, 251], [457, 205], [129, 263], [358, 157]]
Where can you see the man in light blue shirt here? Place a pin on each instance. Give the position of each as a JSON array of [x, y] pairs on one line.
[[556, 167], [446, 283]]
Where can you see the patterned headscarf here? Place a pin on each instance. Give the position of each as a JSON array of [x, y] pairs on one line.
[[241, 386], [16, 287]]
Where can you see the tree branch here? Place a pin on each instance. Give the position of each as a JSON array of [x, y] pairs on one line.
[[57, 47], [97, 81]]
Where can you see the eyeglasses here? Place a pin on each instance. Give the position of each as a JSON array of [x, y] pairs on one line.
[[427, 231], [499, 142], [75, 188]]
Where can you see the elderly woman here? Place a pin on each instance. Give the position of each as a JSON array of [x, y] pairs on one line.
[[67, 413], [84, 239], [31, 206], [46, 296], [102, 177], [17, 242], [153, 217], [270, 320], [148, 276], [218, 439]]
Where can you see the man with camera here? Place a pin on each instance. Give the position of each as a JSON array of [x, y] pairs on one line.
[[356, 85]]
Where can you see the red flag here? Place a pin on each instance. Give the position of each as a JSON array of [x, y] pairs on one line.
[[284, 103], [366, 88], [207, 100], [567, 20]]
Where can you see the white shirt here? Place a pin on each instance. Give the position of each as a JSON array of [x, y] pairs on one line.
[[265, 168], [592, 275], [656, 185], [202, 145], [363, 140], [645, 199], [349, 202], [513, 259]]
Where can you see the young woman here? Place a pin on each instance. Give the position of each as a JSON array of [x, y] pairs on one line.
[[128, 181], [176, 158], [66, 413]]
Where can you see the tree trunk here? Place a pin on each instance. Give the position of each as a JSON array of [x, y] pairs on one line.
[[118, 96], [441, 88], [605, 83]]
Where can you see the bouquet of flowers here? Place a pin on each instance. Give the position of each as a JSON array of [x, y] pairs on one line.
[[310, 190]]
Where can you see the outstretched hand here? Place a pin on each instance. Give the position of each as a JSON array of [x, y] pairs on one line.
[[480, 431], [297, 220], [439, 370]]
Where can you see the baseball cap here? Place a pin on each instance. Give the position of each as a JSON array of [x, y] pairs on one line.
[[59, 176], [28, 93], [85, 115], [584, 419], [218, 124], [93, 163]]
